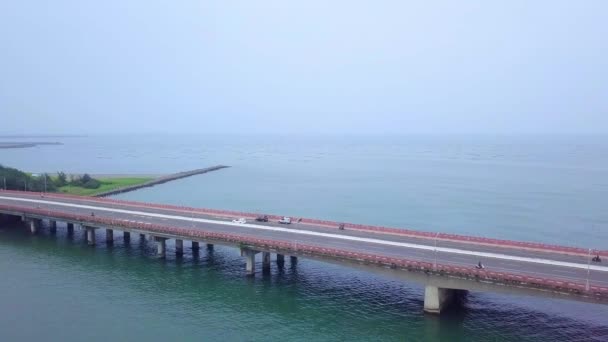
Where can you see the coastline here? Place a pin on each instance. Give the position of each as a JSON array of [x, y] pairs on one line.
[[7, 145]]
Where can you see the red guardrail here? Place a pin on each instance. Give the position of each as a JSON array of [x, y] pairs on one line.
[[412, 265], [333, 224]]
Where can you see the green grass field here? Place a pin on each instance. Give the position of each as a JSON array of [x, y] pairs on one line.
[[107, 184]]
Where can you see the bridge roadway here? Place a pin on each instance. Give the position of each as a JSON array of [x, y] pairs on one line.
[[544, 263]]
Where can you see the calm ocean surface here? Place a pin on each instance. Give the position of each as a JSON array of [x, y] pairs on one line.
[[549, 189]]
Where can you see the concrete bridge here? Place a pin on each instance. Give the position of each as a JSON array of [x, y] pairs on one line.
[[443, 263]]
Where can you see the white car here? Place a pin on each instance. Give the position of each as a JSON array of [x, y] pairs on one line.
[[285, 220], [239, 221]]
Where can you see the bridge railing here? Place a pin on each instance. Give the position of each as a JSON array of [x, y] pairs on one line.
[[299, 248]]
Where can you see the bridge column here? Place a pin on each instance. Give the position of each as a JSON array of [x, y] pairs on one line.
[[179, 246], [109, 235], [142, 237], [280, 260], [210, 246], [126, 236], [437, 298], [90, 235], [70, 228], [34, 225], [195, 245], [160, 246], [266, 261], [53, 226], [249, 255], [293, 260]]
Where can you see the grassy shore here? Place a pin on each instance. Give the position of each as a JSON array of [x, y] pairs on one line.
[[107, 184]]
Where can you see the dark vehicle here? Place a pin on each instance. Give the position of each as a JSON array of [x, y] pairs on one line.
[[596, 259], [262, 218], [341, 226], [480, 266]]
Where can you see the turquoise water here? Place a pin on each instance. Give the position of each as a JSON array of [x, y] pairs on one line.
[[531, 188]]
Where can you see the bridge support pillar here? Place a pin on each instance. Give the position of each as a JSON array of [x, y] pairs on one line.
[[53, 226], [126, 236], [209, 246], [142, 237], [70, 228], [249, 255], [179, 246], [34, 225], [293, 260], [109, 235], [436, 298], [280, 260], [90, 235], [160, 246], [266, 261], [195, 246]]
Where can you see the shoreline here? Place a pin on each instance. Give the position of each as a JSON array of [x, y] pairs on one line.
[[7, 145]]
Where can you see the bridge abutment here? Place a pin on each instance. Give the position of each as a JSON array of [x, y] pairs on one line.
[[437, 299]]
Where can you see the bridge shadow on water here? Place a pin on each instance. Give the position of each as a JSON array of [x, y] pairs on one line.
[[338, 301]]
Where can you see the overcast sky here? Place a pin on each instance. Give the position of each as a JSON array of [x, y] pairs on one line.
[[303, 66]]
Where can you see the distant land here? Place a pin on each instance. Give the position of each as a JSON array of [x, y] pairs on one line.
[[39, 136], [27, 144]]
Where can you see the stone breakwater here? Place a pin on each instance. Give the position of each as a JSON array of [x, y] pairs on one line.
[[162, 179]]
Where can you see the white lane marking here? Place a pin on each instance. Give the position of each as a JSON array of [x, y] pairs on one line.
[[327, 235]]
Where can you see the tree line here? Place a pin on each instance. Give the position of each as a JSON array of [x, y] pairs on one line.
[[14, 179]]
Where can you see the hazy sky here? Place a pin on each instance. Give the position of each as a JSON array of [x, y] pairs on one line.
[[303, 66]]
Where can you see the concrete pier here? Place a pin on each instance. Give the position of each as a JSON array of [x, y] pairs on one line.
[[293, 260], [160, 246], [209, 246], [161, 180], [437, 299], [249, 255], [179, 247], [90, 235], [109, 235], [195, 246], [70, 228], [126, 236], [142, 237], [266, 261], [280, 260], [34, 225], [53, 226]]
